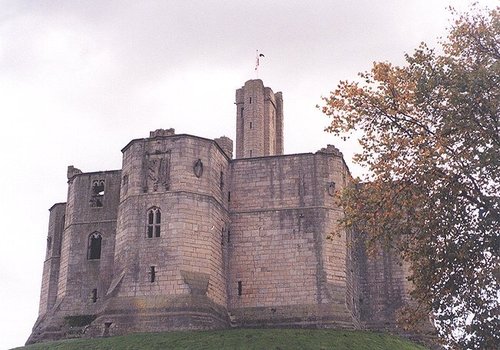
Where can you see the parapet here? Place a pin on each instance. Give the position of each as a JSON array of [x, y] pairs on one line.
[[162, 132], [331, 149], [226, 144], [249, 85], [72, 171]]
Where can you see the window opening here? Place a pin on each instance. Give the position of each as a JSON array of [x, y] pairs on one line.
[[63, 222], [107, 326], [242, 109], [94, 295], [157, 224], [154, 222], [240, 288], [250, 100], [250, 153], [125, 183], [97, 197], [49, 243], [251, 125], [152, 274], [94, 247], [221, 184], [229, 196]]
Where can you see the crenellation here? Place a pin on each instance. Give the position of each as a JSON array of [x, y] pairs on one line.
[[185, 237]]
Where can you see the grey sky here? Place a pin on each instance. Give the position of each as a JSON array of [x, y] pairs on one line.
[[79, 79]]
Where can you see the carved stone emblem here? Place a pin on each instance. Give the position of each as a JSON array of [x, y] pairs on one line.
[[198, 168], [331, 188], [157, 172]]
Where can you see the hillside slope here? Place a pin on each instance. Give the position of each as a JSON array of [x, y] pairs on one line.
[[240, 339]]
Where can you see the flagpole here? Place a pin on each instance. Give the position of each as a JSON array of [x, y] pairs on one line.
[[257, 64]]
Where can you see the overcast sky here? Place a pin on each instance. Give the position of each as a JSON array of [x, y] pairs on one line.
[[80, 79]]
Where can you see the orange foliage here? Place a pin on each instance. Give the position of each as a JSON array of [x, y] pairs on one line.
[[431, 141]]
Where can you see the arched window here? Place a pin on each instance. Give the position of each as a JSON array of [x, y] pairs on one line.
[[154, 222], [94, 247]]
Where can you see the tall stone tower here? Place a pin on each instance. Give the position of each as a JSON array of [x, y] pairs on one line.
[[259, 121]]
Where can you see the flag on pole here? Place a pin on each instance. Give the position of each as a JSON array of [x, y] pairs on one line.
[[257, 58]]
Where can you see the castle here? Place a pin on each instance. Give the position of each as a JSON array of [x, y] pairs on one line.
[[185, 236]]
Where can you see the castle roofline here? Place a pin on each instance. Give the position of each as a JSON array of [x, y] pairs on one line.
[[254, 80], [261, 83], [289, 155], [94, 172], [322, 152], [274, 156], [176, 136], [56, 204]]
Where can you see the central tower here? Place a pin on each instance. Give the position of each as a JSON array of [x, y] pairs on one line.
[[259, 121]]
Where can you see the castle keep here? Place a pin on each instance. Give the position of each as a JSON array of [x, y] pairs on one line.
[[185, 236]]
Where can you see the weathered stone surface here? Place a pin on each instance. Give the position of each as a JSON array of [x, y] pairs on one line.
[[190, 238], [259, 121]]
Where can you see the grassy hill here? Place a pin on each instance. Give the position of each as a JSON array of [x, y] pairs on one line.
[[265, 339]]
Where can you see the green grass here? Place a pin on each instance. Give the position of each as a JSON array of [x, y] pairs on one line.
[[266, 339]]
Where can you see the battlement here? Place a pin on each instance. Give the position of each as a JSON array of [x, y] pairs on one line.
[[162, 132]]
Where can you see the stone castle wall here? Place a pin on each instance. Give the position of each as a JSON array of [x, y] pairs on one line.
[[79, 275], [252, 241], [51, 264], [281, 215], [384, 285]]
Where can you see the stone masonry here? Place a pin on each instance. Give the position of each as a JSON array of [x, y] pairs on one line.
[[183, 236]]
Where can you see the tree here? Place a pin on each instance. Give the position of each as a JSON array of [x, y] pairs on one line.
[[431, 140]]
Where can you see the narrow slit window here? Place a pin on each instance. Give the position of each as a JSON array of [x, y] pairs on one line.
[[229, 196], [94, 246], [94, 295], [221, 181], [157, 224], [240, 288], [242, 112], [152, 274], [251, 125], [250, 153], [49, 243], [250, 100], [154, 223]]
